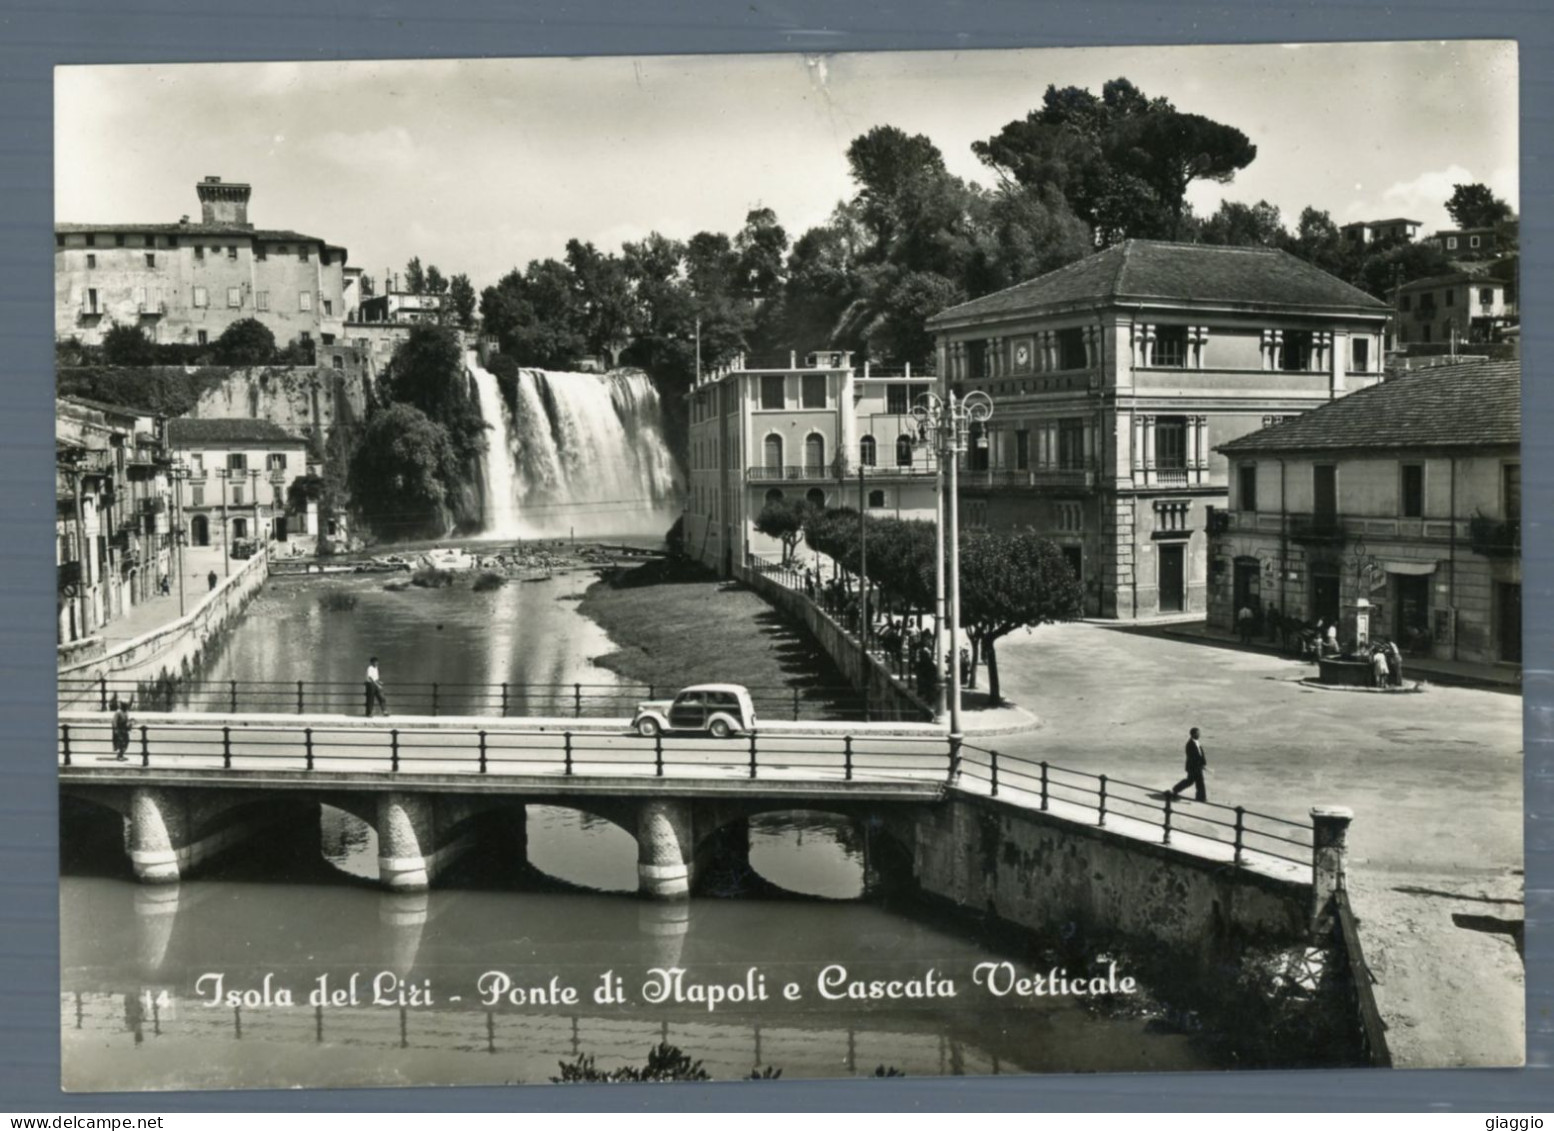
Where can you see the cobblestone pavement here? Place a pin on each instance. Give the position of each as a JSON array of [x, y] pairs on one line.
[[1434, 779]]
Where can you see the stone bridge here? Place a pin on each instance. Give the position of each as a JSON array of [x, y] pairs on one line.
[[1002, 837]]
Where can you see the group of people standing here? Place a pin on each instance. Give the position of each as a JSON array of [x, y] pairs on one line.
[[1316, 640]]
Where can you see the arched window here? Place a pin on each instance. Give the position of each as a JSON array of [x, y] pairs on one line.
[[866, 451], [773, 452], [903, 451], [774, 495], [199, 530], [815, 497], [814, 452], [876, 498]]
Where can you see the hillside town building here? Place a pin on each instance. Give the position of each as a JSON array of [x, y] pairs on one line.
[[1116, 378], [113, 533], [800, 431], [1462, 308], [186, 282], [1398, 506], [239, 477], [1373, 233]]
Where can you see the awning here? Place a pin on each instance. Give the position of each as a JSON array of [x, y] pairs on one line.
[[1410, 569]]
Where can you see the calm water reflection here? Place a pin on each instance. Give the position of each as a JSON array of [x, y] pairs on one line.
[[304, 907], [132, 954]]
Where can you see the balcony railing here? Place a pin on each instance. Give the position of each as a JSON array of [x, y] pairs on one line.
[[1495, 538], [790, 471], [1318, 529], [1171, 476], [1033, 477]]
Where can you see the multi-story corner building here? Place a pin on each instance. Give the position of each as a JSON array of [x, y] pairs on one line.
[[800, 431], [1114, 380], [239, 475], [1464, 308], [187, 282], [1376, 233], [1400, 504], [112, 526], [1478, 243]]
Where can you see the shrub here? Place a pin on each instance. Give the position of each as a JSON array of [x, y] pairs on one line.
[[488, 581], [246, 342], [431, 578], [126, 345], [665, 1063]]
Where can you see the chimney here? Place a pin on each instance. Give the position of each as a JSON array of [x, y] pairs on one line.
[[223, 203]]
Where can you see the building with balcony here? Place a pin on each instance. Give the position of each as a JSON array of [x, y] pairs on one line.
[[187, 282], [1375, 233], [237, 476], [1405, 496], [821, 431], [113, 533], [1115, 379], [1463, 309]]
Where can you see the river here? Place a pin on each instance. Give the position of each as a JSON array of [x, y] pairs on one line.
[[136, 1015]]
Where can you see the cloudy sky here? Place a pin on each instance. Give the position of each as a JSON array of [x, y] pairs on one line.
[[482, 165]]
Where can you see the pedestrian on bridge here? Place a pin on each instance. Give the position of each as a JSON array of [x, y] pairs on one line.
[[374, 689], [1197, 762], [121, 730]]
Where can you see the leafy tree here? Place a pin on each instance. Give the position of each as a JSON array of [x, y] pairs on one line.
[[784, 520], [246, 342], [435, 283], [761, 246], [606, 309], [535, 315], [1475, 206], [461, 302], [1011, 580], [1245, 225], [1123, 161], [1319, 242], [415, 277], [427, 372], [126, 345], [399, 471]]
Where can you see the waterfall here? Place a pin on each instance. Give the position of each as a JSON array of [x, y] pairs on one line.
[[501, 474], [580, 452]]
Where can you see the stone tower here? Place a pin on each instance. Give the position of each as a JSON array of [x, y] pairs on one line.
[[224, 203]]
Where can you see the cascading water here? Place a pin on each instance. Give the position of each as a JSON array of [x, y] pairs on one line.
[[501, 474], [580, 453]]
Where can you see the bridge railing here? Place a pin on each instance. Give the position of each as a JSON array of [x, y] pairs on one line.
[[433, 699], [1127, 808], [1103, 799], [287, 747]]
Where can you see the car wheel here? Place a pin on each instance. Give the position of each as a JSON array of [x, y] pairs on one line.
[[720, 728], [648, 728]]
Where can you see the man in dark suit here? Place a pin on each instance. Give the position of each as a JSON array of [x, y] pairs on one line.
[[1197, 762]]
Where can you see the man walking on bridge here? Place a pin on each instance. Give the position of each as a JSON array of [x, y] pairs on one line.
[[1197, 762], [374, 688]]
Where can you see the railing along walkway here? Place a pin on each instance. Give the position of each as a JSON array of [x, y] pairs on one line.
[[296, 749]]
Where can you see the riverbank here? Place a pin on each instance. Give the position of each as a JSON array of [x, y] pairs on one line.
[[674, 625]]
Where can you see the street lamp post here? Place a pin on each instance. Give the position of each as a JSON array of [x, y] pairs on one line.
[[180, 534], [949, 419], [224, 474]]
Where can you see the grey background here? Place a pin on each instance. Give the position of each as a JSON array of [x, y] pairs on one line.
[[34, 37]]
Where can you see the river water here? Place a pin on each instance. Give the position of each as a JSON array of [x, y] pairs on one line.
[[135, 1014]]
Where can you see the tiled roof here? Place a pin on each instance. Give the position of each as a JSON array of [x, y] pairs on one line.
[[1447, 406], [1190, 274], [188, 230], [1468, 274], [183, 431]]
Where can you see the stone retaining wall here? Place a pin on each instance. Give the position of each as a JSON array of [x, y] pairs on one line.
[[887, 697], [175, 650], [1041, 872]]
